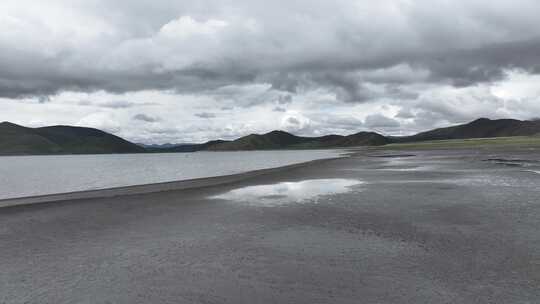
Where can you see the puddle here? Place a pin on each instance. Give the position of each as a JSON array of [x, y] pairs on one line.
[[496, 181], [513, 162], [411, 169], [408, 165], [393, 155], [476, 180], [289, 192]]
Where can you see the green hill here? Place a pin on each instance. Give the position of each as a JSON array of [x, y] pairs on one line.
[[480, 128], [272, 140], [191, 147], [18, 140], [283, 140]]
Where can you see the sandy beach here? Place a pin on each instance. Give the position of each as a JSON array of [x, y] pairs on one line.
[[441, 226]]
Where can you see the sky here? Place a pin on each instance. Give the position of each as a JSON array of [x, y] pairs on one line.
[[177, 71]]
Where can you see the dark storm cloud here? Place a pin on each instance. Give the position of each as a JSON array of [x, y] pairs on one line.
[[483, 64], [285, 99], [350, 48]]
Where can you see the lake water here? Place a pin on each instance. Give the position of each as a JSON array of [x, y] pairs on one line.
[[22, 176]]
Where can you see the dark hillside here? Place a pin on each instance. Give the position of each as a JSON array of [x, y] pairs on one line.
[[480, 128], [15, 140]]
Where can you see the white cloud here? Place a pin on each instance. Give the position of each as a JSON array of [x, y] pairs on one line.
[[186, 27], [106, 121], [325, 66], [518, 85], [295, 122]]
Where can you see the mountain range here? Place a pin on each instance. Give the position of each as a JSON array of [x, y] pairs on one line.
[[19, 140]]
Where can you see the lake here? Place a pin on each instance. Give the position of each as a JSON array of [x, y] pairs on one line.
[[22, 176]]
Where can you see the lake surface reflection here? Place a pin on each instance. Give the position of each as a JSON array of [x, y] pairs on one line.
[[289, 192]]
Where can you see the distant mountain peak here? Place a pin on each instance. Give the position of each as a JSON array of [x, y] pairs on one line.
[[7, 123], [479, 128], [481, 119], [278, 132], [17, 140], [11, 126]]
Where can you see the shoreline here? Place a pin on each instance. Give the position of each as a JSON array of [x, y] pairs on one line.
[[159, 187], [426, 229]]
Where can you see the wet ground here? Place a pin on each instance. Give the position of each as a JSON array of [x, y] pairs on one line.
[[422, 227]]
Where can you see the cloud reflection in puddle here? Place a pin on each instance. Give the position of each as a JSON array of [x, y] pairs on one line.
[[289, 192]]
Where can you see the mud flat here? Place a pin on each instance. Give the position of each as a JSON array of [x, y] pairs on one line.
[[441, 226]]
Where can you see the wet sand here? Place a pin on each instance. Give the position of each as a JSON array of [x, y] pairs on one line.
[[441, 226]]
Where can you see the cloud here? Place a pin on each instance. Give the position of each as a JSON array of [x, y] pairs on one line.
[[146, 118], [376, 121], [292, 121], [95, 100], [419, 64], [186, 27], [346, 124], [284, 99], [101, 120], [405, 113], [180, 46], [115, 104], [205, 115], [297, 123]]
